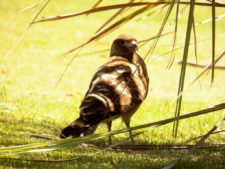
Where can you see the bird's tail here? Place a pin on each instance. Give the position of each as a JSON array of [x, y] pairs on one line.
[[75, 129]]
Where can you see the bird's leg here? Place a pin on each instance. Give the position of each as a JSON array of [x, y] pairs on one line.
[[90, 130], [130, 133], [109, 125]]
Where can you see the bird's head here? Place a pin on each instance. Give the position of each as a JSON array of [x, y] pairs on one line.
[[124, 46]]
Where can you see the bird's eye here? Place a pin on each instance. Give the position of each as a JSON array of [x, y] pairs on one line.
[[122, 42]]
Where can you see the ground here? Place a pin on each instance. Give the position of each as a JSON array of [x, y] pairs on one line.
[[32, 104]]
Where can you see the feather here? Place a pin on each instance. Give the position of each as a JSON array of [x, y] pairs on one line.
[[117, 89]]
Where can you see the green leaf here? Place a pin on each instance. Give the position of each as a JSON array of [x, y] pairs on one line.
[[67, 143], [161, 29], [113, 17], [117, 6], [183, 67], [193, 148], [213, 38]]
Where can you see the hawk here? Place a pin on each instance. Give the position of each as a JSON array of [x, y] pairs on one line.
[[117, 89]]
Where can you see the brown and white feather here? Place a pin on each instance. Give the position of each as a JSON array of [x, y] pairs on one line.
[[117, 88]]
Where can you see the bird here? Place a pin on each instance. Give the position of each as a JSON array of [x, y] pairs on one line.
[[117, 89]]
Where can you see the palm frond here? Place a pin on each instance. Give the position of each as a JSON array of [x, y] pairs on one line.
[[195, 41], [94, 10], [213, 38], [29, 7], [101, 34], [161, 29], [198, 42], [207, 68], [200, 65], [141, 44], [118, 6], [37, 12], [183, 67], [175, 37], [195, 138], [145, 41], [68, 143], [113, 17], [97, 4], [70, 159], [217, 18], [201, 140]]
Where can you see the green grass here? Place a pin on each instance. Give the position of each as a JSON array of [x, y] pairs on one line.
[[30, 103]]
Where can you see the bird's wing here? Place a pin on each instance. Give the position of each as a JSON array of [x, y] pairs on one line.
[[112, 91]]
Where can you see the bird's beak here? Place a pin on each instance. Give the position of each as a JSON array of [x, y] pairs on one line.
[[131, 43]]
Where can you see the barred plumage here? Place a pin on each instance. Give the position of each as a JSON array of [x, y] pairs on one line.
[[116, 90]]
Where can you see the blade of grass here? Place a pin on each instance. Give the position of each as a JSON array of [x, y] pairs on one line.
[[213, 39], [183, 67], [67, 143]]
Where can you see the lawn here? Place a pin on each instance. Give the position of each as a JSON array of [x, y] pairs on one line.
[[32, 104]]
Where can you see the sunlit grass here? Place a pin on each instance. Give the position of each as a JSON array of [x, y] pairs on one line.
[[30, 102]]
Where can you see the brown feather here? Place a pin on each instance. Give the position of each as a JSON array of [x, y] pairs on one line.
[[116, 89]]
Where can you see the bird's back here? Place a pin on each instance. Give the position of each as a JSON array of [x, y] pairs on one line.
[[116, 89], [119, 86]]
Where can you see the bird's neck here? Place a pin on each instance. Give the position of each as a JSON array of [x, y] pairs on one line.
[[129, 56]]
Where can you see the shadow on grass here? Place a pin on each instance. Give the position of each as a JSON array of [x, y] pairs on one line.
[[155, 159]]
